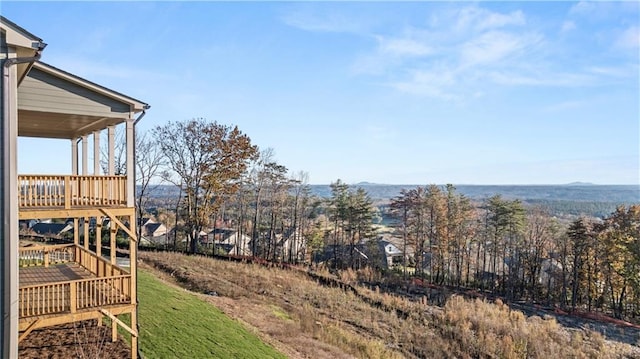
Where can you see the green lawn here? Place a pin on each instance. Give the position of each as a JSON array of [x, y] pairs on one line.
[[177, 324]]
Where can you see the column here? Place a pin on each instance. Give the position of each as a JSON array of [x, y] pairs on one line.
[[111, 136], [9, 195], [130, 164], [74, 156], [96, 153], [85, 155]]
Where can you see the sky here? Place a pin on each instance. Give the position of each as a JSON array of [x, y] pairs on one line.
[[383, 92]]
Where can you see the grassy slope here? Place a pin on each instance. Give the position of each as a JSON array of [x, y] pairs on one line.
[[177, 324], [373, 328]]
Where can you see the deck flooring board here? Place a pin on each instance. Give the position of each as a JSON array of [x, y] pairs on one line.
[[52, 274]]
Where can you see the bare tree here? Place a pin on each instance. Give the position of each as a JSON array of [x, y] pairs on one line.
[[207, 160]]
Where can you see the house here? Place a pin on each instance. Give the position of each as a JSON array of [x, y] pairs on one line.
[[43, 101], [229, 242], [153, 233], [391, 250], [150, 228], [292, 245], [53, 230], [345, 255]]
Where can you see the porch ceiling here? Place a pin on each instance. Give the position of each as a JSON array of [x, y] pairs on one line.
[[60, 125], [53, 103]]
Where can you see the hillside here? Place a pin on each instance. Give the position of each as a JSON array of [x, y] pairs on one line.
[[317, 316], [174, 323]]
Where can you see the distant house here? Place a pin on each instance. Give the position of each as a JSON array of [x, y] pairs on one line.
[[51, 230], [550, 272], [152, 232], [228, 241], [292, 245], [152, 229], [391, 248], [345, 255]]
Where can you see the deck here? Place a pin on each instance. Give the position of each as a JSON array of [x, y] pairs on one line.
[[60, 282]]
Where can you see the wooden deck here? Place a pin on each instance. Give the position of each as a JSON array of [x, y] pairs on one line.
[[30, 276], [57, 283]]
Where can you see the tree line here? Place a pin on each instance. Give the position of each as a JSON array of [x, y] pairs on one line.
[[496, 245], [523, 253]]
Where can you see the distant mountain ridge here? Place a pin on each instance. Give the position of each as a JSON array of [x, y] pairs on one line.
[[571, 199], [577, 191]]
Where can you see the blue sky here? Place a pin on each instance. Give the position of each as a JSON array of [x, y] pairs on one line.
[[386, 92]]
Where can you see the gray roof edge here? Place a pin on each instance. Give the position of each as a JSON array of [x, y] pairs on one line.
[[78, 78], [19, 28]]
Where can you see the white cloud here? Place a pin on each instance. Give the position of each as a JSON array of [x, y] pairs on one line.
[[620, 71], [583, 8], [479, 19], [456, 53], [568, 26], [492, 47], [333, 22], [436, 83], [629, 38], [540, 78], [567, 105], [598, 11], [403, 47]]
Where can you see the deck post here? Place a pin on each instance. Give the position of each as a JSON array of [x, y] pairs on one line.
[[114, 330], [67, 192], [76, 235], [96, 153], [130, 165], [74, 156], [112, 245], [46, 258], [99, 242], [111, 133], [133, 269], [85, 228], [85, 151], [73, 297]]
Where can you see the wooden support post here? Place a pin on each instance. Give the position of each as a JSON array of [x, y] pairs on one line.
[[111, 130], [133, 269], [99, 243], [86, 233], [67, 192], [134, 337], [114, 329], [73, 297], [85, 155], [96, 153], [76, 235], [46, 258], [112, 244]]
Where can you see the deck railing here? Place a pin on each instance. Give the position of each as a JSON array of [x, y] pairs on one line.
[[46, 255], [98, 266], [71, 296], [111, 287], [71, 191]]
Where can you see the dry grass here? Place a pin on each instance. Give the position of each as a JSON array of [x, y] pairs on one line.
[[324, 320]]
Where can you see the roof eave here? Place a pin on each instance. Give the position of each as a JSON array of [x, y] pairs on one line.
[[136, 105]]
